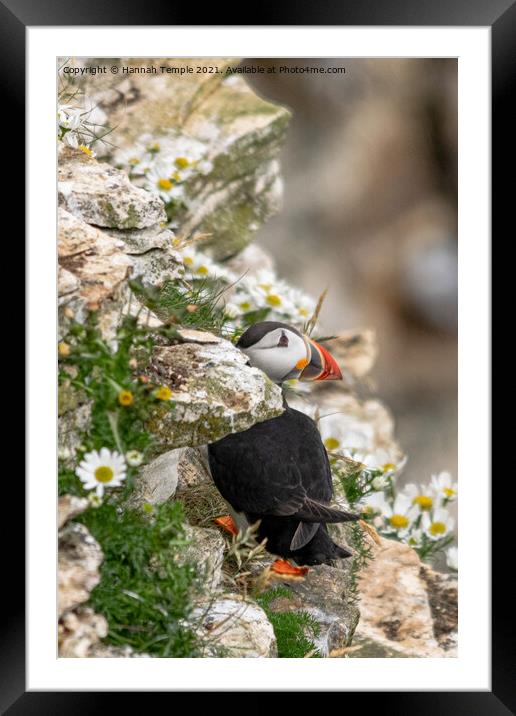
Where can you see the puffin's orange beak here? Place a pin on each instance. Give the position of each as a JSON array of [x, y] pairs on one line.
[[322, 365]]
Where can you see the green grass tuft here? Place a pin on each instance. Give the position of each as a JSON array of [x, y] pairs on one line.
[[145, 592], [294, 630]]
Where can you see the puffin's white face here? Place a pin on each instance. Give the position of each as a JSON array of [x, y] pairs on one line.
[[284, 353], [281, 353]]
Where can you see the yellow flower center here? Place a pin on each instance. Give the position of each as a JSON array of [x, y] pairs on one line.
[[85, 150], [104, 474], [448, 492], [63, 349], [125, 397], [245, 305], [165, 184], [182, 162], [163, 393], [399, 521], [332, 443], [133, 161], [188, 260], [388, 466], [423, 501], [437, 528], [203, 270], [303, 312], [273, 300], [153, 147], [176, 176], [266, 286]]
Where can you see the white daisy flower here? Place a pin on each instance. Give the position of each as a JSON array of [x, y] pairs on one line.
[[438, 524], [376, 504], [199, 265], [422, 496], [380, 482], [159, 180], [350, 436], [444, 486], [398, 516], [134, 458], [415, 538], [99, 470], [452, 558]]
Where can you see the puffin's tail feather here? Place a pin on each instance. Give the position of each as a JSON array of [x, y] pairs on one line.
[[303, 534], [313, 511]]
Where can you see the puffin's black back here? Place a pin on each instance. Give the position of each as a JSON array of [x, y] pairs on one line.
[[267, 471]]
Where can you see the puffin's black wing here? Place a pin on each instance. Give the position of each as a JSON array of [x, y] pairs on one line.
[[278, 467]]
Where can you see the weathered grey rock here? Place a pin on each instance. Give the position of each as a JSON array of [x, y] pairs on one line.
[[234, 628], [395, 605], [193, 469], [74, 413], [214, 393], [226, 126], [154, 259], [175, 470], [206, 551], [157, 481], [78, 566], [79, 631], [93, 269], [103, 196], [326, 593]]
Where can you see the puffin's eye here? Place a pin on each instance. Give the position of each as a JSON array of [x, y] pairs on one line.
[[283, 341]]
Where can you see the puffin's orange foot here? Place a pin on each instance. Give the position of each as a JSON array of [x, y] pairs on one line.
[[283, 566], [227, 523]]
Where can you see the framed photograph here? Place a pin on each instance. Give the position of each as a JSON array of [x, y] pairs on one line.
[[258, 365]]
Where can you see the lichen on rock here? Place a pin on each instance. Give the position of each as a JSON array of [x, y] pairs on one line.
[[103, 196], [214, 393]]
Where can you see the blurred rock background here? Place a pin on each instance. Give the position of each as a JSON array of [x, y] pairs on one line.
[[370, 210]]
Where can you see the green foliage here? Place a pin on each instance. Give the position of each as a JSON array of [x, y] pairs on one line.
[[362, 555], [354, 481], [294, 630], [101, 373], [196, 305], [145, 592]]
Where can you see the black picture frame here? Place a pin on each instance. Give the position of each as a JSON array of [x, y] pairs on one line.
[[500, 16]]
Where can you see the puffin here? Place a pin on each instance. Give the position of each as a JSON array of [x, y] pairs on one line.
[[277, 473]]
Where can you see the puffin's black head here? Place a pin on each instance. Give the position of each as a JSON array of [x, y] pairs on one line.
[[283, 353]]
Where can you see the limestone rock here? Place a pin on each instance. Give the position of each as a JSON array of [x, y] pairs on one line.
[[107, 651], [206, 551], [223, 126], [79, 630], [70, 506], [193, 469], [78, 566], [157, 481], [102, 195], [442, 592], [93, 269], [214, 393], [235, 628], [395, 605], [154, 259], [325, 593]]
